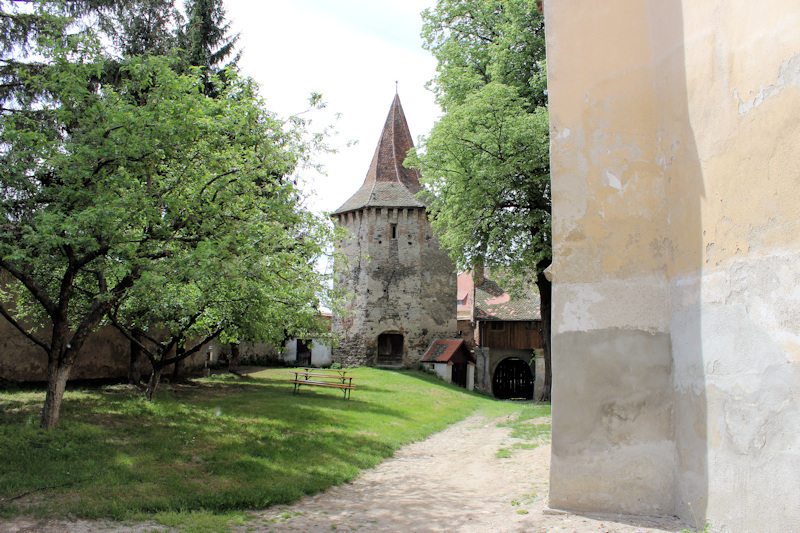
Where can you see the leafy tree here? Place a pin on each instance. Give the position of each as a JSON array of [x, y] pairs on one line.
[[256, 283], [103, 184], [486, 160]]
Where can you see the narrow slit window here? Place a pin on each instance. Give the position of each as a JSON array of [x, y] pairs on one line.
[[394, 231]]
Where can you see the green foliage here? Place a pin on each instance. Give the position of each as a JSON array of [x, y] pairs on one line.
[[143, 27], [124, 186], [527, 428], [222, 444], [486, 165], [477, 42], [205, 42], [487, 160]]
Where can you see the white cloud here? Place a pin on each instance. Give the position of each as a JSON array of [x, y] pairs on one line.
[[351, 51]]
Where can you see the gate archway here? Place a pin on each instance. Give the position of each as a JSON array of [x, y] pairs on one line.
[[513, 378]]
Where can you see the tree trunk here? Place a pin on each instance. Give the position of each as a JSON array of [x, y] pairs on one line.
[[57, 375], [135, 366], [233, 363], [545, 293], [179, 370], [152, 385]]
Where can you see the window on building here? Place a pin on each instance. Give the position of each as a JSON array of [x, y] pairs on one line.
[[496, 326], [394, 230]]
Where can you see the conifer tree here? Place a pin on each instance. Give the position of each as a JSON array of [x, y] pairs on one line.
[[205, 41]]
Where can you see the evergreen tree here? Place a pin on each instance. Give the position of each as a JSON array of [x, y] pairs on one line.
[[205, 42], [144, 27]]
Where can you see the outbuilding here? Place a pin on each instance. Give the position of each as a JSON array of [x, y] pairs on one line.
[[453, 361]]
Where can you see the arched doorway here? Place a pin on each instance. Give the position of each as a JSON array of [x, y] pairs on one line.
[[390, 349], [513, 379]]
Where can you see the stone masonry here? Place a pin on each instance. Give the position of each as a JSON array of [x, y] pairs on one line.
[[401, 285]]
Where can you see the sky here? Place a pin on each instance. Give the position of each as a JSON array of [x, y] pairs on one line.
[[350, 51]]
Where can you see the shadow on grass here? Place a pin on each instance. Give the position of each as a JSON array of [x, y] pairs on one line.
[[218, 444]]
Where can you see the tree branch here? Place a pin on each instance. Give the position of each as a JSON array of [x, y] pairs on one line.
[[26, 279], [22, 330]]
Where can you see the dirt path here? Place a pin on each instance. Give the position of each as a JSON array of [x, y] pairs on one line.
[[452, 481]]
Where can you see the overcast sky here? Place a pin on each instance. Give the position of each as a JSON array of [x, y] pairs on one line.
[[351, 51]]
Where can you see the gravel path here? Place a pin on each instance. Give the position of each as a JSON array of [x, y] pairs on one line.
[[452, 481]]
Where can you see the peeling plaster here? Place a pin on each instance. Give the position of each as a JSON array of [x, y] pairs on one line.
[[788, 76]]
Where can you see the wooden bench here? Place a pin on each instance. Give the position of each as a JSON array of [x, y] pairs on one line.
[[311, 376]]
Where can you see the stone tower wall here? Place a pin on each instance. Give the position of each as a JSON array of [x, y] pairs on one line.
[[403, 284]]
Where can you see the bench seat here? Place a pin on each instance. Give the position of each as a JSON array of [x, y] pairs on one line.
[[343, 383], [322, 384]]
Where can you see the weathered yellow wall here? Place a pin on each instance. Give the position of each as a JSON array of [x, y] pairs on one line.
[[676, 258], [613, 428]]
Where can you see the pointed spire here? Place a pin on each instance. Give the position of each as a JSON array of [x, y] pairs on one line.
[[388, 183]]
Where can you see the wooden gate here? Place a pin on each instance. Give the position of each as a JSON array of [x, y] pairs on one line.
[[513, 379], [390, 349], [460, 374]]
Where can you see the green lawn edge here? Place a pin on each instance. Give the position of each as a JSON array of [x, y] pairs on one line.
[[212, 449]]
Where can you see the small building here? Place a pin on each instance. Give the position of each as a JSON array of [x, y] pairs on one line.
[[505, 333], [309, 351], [452, 361]]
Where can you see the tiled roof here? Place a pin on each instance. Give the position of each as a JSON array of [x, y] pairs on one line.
[[388, 182], [464, 288], [493, 303], [442, 351]]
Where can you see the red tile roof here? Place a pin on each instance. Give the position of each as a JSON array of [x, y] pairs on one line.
[[448, 351], [388, 182], [492, 302]]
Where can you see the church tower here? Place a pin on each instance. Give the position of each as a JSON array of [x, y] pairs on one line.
[[401, 286]]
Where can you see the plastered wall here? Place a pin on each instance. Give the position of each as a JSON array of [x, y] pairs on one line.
[[676, 321]]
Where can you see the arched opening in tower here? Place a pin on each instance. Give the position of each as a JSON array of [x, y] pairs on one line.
[[390, 349], [513, 379]]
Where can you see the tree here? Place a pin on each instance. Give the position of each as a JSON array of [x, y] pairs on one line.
[[254, 281], [486, 161], [102, 183], [205, 42], [142, 27]]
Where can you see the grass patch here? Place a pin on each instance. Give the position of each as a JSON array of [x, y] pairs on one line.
[[202, 453], [526, 427]]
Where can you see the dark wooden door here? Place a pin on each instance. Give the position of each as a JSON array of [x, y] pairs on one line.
[[303, 352], [390, 349], [460, 374], [513, 379]]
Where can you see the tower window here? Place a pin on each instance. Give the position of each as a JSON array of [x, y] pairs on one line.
[[394, 231]]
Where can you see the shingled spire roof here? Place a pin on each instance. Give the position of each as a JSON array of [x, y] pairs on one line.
[[388, 182]]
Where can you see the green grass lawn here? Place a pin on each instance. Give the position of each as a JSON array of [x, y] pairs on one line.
[[216, 446]]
